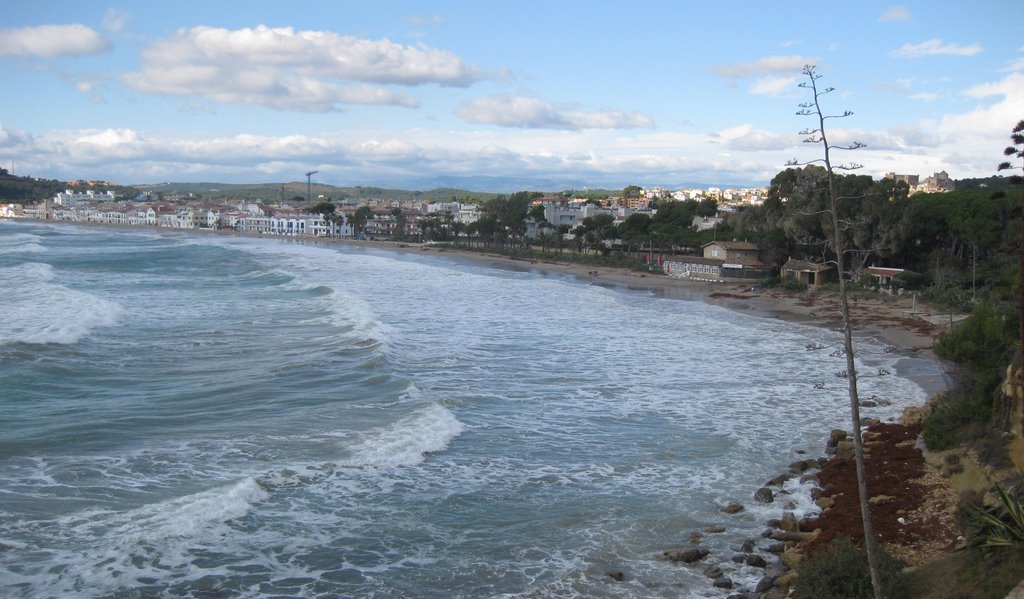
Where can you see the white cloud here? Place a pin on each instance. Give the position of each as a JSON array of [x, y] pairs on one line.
[[773, 86], [509, 111], [419, 20], [1015, 64], [292, 70], [52, 41], [934, 47], [115, 20], [769, 65], [924, 96], [895, 13], [966, 144]]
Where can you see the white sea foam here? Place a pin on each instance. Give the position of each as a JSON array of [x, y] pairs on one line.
[[37, 309], [21, 243], [409, 440], [186, 517]]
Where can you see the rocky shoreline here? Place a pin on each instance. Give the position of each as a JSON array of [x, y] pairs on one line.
[[912, 505]]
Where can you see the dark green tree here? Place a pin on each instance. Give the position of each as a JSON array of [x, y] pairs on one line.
[[323, 208], [359, 219]]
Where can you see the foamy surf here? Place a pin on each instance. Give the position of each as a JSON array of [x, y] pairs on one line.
[[21, 243], [40, 310], [408, 441]]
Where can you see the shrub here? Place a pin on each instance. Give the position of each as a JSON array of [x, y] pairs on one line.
[[787, 283], [1002, 526], [964, 413], [985, 340], [840, 571]]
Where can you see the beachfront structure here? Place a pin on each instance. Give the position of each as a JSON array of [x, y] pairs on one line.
[[884, 277], [812, 274], [721, 261]]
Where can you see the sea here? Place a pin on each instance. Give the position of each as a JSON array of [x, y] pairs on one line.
[[203, 415]]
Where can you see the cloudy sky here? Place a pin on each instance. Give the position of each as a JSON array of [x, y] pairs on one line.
[[566, 93]]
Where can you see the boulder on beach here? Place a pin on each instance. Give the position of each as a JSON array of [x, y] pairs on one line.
[[734, 507], [789, 522], [844, 450], [751, 559], [687, 555], [764, 495]]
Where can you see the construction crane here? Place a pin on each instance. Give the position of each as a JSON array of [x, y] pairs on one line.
[[308, 175]]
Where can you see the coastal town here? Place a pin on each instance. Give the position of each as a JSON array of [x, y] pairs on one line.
[[373, 218]]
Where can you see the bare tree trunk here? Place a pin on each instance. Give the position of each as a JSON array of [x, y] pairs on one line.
[[870, 545]]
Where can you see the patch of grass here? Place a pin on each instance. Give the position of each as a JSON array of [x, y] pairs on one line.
[[970, 574]]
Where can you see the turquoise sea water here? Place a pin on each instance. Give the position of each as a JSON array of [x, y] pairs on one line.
[[205, 416]]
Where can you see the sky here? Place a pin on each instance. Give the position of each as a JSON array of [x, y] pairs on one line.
[[540, 95]]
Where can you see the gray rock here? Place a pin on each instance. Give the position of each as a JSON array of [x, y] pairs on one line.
[[789, 522], [844, 450], [765, 583], [723, 583], [796, 537], [750, 559], [714, 529], [764, 495], [687, 556], [714, 572], [733, 508]]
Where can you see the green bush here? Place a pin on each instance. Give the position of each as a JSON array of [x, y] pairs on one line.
[[840, 571], [983, 345], [984, 341], [787, 283], [964, 413], [1002, 526]]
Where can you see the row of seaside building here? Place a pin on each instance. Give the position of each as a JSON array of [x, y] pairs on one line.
[[383, 219], [719, 260]]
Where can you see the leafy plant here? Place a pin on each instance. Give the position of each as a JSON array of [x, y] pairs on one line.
[[1000, 526], [964, 413], [840, 571]]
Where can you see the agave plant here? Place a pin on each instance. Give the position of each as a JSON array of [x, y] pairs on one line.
[[1000, 526]]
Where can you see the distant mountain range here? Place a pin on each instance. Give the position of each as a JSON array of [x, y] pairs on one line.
[[433, 188]]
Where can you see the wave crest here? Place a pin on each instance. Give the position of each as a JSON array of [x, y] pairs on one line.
[[38, 310], [408, 441]]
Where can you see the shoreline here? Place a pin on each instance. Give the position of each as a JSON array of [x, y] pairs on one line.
[[894, 322], [901, 323]]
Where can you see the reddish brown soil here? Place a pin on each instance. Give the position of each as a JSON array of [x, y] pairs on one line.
[[901, 486]]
